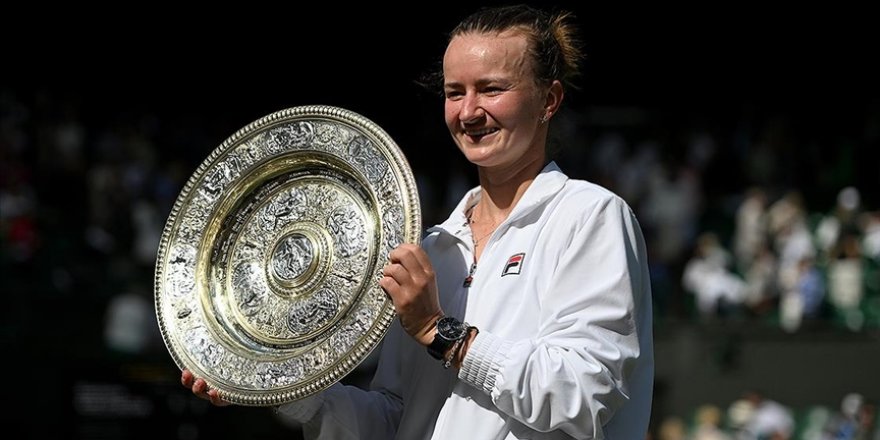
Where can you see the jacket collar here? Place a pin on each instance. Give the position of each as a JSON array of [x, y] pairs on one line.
[[546, 184]]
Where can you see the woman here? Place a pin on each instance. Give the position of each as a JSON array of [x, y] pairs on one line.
[[550, 272]]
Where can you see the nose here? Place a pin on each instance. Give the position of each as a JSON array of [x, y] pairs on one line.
[[471, 111]]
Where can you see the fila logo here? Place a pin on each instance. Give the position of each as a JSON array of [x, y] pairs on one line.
[[514, 265]]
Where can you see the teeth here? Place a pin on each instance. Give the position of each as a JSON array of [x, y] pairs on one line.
[[481, 132]]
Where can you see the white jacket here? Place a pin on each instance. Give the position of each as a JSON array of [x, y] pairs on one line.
[[562, 300]]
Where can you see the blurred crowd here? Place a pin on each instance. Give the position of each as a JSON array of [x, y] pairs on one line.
[[799, 266], [755, 416], [741, 223]]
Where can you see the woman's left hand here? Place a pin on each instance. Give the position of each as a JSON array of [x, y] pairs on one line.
[[410, 282], [200, 388]]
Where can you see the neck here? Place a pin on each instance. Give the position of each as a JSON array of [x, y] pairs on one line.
[[504, 186]]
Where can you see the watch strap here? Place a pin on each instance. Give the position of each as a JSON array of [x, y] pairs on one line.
[[440, 345]]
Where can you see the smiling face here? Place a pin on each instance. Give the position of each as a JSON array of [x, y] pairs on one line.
[[493, 104]]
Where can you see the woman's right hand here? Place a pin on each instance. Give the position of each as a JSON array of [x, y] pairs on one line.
[[200, 388], [410, 281]]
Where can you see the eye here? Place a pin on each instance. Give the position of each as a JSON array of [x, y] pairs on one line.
[[493, 90], [453, 95]]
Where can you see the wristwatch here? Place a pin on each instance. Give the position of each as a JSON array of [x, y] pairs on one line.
[[449, 330]]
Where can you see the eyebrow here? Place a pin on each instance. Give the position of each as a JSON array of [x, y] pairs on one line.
[[480, 82]]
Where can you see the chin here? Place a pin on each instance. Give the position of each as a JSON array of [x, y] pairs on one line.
[[476, 155], [482, 161]]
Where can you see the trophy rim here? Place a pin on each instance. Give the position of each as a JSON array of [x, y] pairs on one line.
[[411, 233]]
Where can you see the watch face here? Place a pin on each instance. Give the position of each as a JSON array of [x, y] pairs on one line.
[[450, 328]]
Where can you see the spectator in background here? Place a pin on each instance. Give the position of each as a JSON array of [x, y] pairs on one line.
[[870, 223], [718, 291], [708, 424], [842, 221], [805, 300], [855, 420], [791, 238], [762, 294], [750, 234], [846, 280], [768, 420]]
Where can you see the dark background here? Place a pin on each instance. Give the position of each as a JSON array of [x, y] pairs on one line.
[[183, 80]]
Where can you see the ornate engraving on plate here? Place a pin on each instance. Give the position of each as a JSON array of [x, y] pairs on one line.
[[292, 257], [266, 277]]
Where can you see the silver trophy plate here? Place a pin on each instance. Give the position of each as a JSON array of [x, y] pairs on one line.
[[267, 273]]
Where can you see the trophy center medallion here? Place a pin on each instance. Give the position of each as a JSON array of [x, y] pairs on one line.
[[292, 257]]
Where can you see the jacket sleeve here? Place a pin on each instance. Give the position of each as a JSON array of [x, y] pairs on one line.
[[349, 412], [576, 371]]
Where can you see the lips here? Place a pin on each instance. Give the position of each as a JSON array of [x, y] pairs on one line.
[[481, 132]]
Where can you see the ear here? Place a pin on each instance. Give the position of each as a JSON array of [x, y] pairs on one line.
[[553, 99]]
